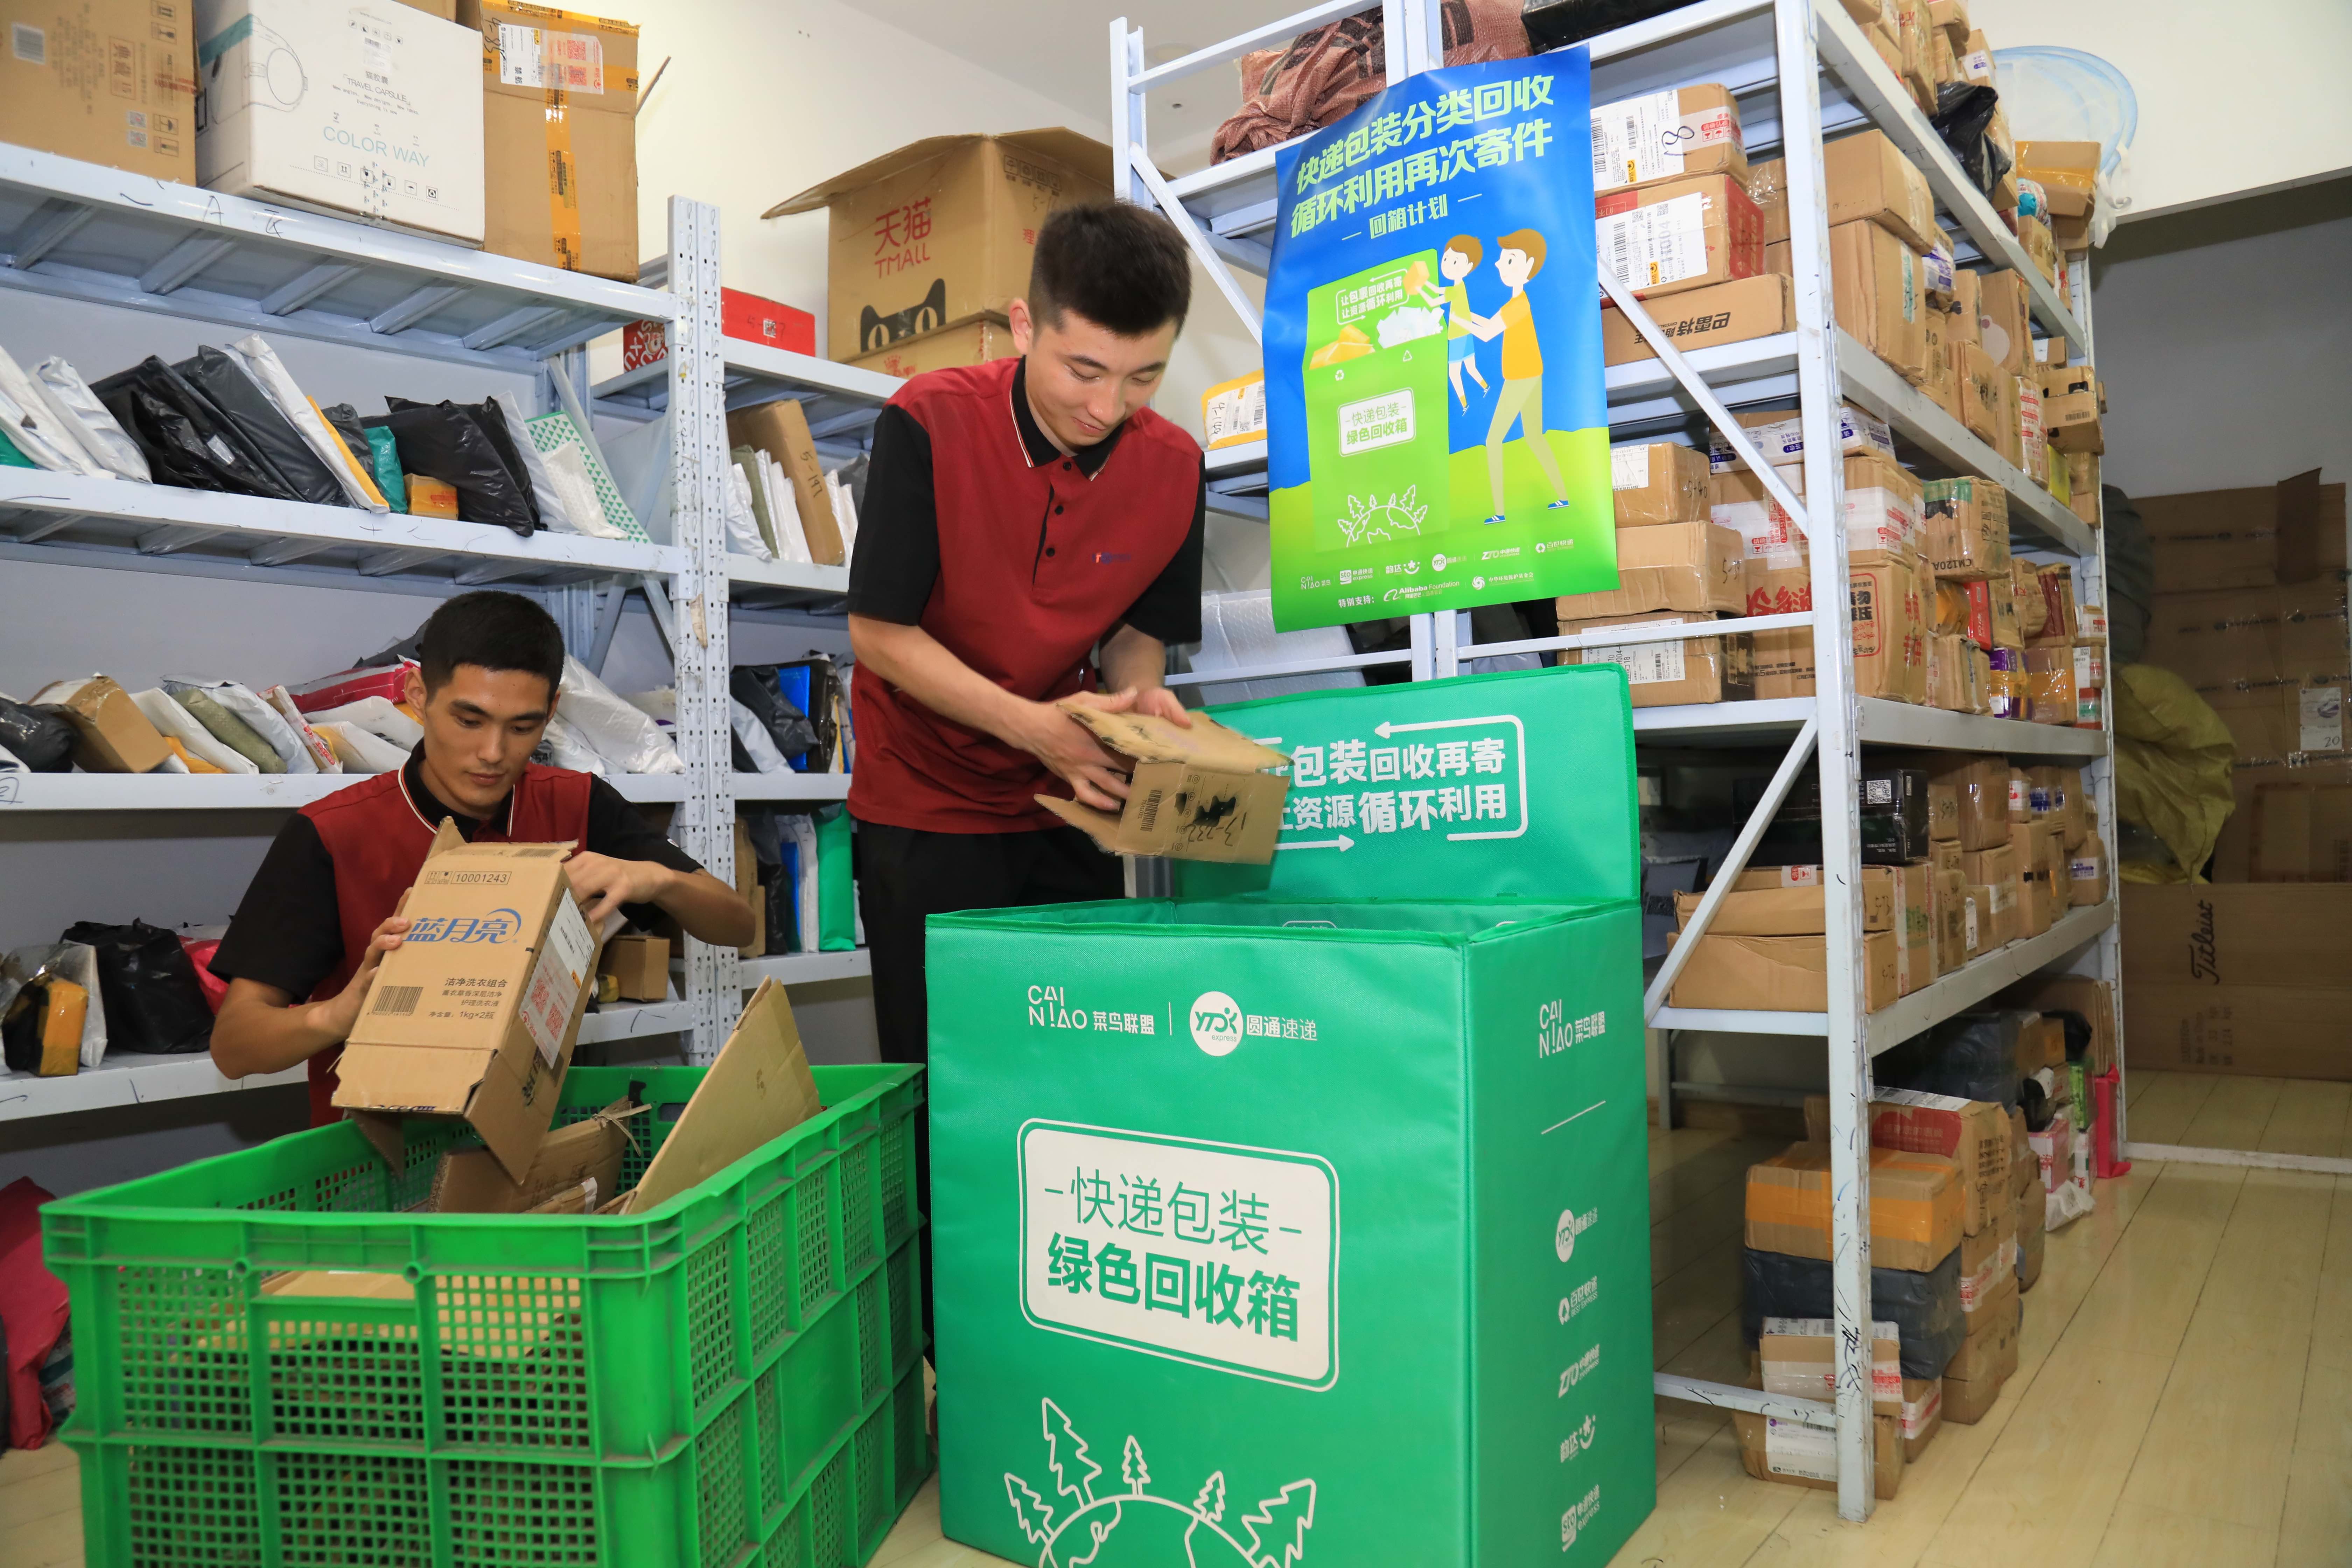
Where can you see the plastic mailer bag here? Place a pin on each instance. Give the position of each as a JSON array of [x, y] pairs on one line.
[[243, 403], [532, 468], [71, 400], [754, 686], [229, 730], [1963, 116], [344, 421], [73, 961], [37, 432], [572, 461], [178, 723], [1972, 1055], [261, 362], [742, 527], [2173, 757], [186, 440], [378, 716], [153, 1002], [1924, 1308], [361, 751], [563, 746], [243, 704], [621, 735], [492, 421], [444, 442], [41, 741], [754, 750], [281, 703]]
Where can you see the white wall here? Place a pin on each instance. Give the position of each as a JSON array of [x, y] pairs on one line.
[[2234, 99], [2226, 344]]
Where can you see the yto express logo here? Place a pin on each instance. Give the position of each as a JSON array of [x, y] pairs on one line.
[[497, 926], [1216, 1023]]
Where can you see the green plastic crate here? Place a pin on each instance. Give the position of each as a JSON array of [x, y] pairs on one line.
[[732, 1377]]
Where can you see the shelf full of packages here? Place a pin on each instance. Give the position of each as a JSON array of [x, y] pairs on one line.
[[1798, 70]]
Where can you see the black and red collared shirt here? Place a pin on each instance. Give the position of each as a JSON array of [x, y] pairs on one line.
[[1019, 559]]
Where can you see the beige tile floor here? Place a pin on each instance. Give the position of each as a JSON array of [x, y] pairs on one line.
[[2183, 1393]]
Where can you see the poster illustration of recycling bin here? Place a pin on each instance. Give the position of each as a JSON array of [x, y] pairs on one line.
[[1437, 425]]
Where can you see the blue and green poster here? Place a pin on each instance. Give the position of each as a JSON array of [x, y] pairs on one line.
[[1437, 426]]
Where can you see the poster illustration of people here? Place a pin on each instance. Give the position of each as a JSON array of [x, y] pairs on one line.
[[1437, 426]]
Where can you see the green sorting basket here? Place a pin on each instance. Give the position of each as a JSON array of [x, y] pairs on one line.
[[733, 1377]]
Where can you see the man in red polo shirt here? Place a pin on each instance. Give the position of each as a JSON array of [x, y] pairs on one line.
[[318, 916], [1031, 531]]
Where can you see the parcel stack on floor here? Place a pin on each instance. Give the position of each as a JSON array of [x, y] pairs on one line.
[[2247, 975]]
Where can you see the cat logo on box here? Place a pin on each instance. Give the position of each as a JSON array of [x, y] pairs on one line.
[[1201, 793]]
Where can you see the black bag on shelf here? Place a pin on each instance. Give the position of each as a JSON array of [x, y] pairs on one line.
[[1924, 1307], [344, 421], [1963, 117], [444, 442], [26, 1011], [1554, 24], [754, 686], [149, 985], [240, 400], [187, 442], [1972, 1055], [36, 737], [493, 425]]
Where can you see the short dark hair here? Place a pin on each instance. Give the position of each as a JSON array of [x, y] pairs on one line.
[[1122, 267], [495, 630]]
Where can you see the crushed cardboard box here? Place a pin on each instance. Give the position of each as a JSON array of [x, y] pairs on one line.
[[586, 1154], [1200, 794]]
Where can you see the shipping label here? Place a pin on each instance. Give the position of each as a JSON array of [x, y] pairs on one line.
[[564, 960], [2320, 726], [1648, 246], [1646, 663], [1645, 138], [1629, 468], [1218, 1255]]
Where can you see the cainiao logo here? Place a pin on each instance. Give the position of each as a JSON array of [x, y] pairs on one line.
[[1216, 1023], [1572, 1226]]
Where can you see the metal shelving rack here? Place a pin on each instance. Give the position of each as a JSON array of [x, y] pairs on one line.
[[81, 231], [1798, 70]]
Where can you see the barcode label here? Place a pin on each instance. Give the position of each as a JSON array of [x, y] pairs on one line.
[[1151, 809], [397, 1000], [28, 44]]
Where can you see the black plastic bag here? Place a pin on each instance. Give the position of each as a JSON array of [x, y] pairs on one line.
[[187, 441], [344, 421], [493, 425], [1963, 117], [36, 737], [149, 985], [754, 686], [444, 442], [2036, 1105], [240, 400], [1924, 1308], [1972, 1055], [20, 1028], [1552, 24]]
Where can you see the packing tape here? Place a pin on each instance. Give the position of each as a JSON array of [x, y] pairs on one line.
[[562, 183], [1893, 1220]]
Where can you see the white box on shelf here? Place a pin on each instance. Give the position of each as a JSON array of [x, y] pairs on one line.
[[366, 108]]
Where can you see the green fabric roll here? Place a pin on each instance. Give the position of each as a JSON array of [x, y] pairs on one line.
[[231, 731]]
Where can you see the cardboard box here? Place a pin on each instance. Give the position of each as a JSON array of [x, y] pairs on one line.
[[1779, 974], [1974, 1134], [1952, 17], [108, 81], [2264, 1031], [1768, 186], [1670, 673], [747, 318], [1976, 60], [1232, 413], [1784, 659], [2093, 1000], [1914, 953], [1915, 1206], [1912, 35], [1922, 1416], [2083, 487], [1881, 510], [2211, 540], [641, 964], [2066, 172], [1967, 528], [2244, 934], [372, 111], [584, 1154], [473, 1017], [1702, 318], [1658, 481], [1986, 397], [2033, 442], [1797, 1357], [974, 342], [1870, 180], [1947, 673], [1889, 621], [1953, 948], [1771, 1449], [2301, 832], [1666, 136], [1981, 787], [1201, 794], [2041, 248], [1679, 235], [942, 230], [1785, 901], [1881, 296], [2070, 410], [1779, 433], [558, 136], [110, 735], [780, 430], [1987, 1358], [2087, 874], [1669, 566], [2005, 317]]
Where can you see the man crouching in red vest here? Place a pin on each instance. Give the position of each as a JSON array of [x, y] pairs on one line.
[[317, 918]]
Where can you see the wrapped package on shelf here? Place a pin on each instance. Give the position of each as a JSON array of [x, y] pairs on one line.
[[530, 463], [566, 747], [321, 750], [176, 723], [378, 716], [590, 500], [447, 442], [309, 422], [743, 535], [231, 388], [153, 1003], [187, 439], [46, 440], [71, 400], [77, 961], [110, 734], [618, 732], [245, 705], [359, 750]]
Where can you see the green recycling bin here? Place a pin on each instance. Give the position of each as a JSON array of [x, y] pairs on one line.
[[1311, 1222]]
